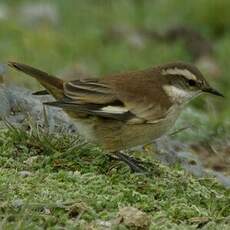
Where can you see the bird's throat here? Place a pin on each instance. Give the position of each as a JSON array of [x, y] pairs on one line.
[[179, 95]]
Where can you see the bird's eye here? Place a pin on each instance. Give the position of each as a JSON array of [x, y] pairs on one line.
[[191, 82]]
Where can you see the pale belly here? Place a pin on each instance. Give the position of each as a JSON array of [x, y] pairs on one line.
[[116, 135]]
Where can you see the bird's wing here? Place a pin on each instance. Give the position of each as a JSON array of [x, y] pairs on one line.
[[92, 97], [89, 91], [110, 99]]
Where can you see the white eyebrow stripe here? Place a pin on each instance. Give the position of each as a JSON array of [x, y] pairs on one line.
[[114, 109], [175, 71]]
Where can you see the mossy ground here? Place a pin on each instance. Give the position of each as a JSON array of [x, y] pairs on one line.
[[58, 181]]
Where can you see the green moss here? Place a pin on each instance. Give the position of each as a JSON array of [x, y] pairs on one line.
[[69, 178]]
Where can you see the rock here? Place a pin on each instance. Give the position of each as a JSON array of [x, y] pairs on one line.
[[133, 218], [19, 106], [25, 173], [171, 152], [46, 211], [225, 180], [191, 163], [17, 203]]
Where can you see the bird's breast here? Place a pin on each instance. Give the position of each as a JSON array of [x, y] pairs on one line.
[[115, 135]]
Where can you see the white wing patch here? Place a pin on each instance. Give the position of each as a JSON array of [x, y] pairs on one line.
[[175, 71], [114, 109]]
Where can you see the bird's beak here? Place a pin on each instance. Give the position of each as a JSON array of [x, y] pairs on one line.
[[213, 91]]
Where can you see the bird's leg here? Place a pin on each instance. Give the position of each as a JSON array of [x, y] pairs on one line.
[[134, 164]]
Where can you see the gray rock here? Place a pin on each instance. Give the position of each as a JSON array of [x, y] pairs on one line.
[[190, 163], [225, 180], [25, 173], [21, 106], [171, 152], [17, 203]]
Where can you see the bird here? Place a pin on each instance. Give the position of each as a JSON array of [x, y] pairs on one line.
[[127, 109]]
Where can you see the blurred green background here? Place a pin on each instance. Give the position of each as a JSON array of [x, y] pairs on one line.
[[100, 37]]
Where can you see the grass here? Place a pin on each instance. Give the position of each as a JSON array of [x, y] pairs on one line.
[[58, 181]]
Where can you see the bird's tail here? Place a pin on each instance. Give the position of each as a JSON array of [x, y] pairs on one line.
[[53, 84]]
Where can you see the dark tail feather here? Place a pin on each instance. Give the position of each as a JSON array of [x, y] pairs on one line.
[[53, 84]]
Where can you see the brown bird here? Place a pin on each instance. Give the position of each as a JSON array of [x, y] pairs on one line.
[[128, 109]]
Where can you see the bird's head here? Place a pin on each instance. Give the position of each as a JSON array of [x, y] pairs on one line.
[[183, 81]]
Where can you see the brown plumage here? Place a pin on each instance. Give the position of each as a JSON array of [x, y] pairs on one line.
[[124, 110]]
